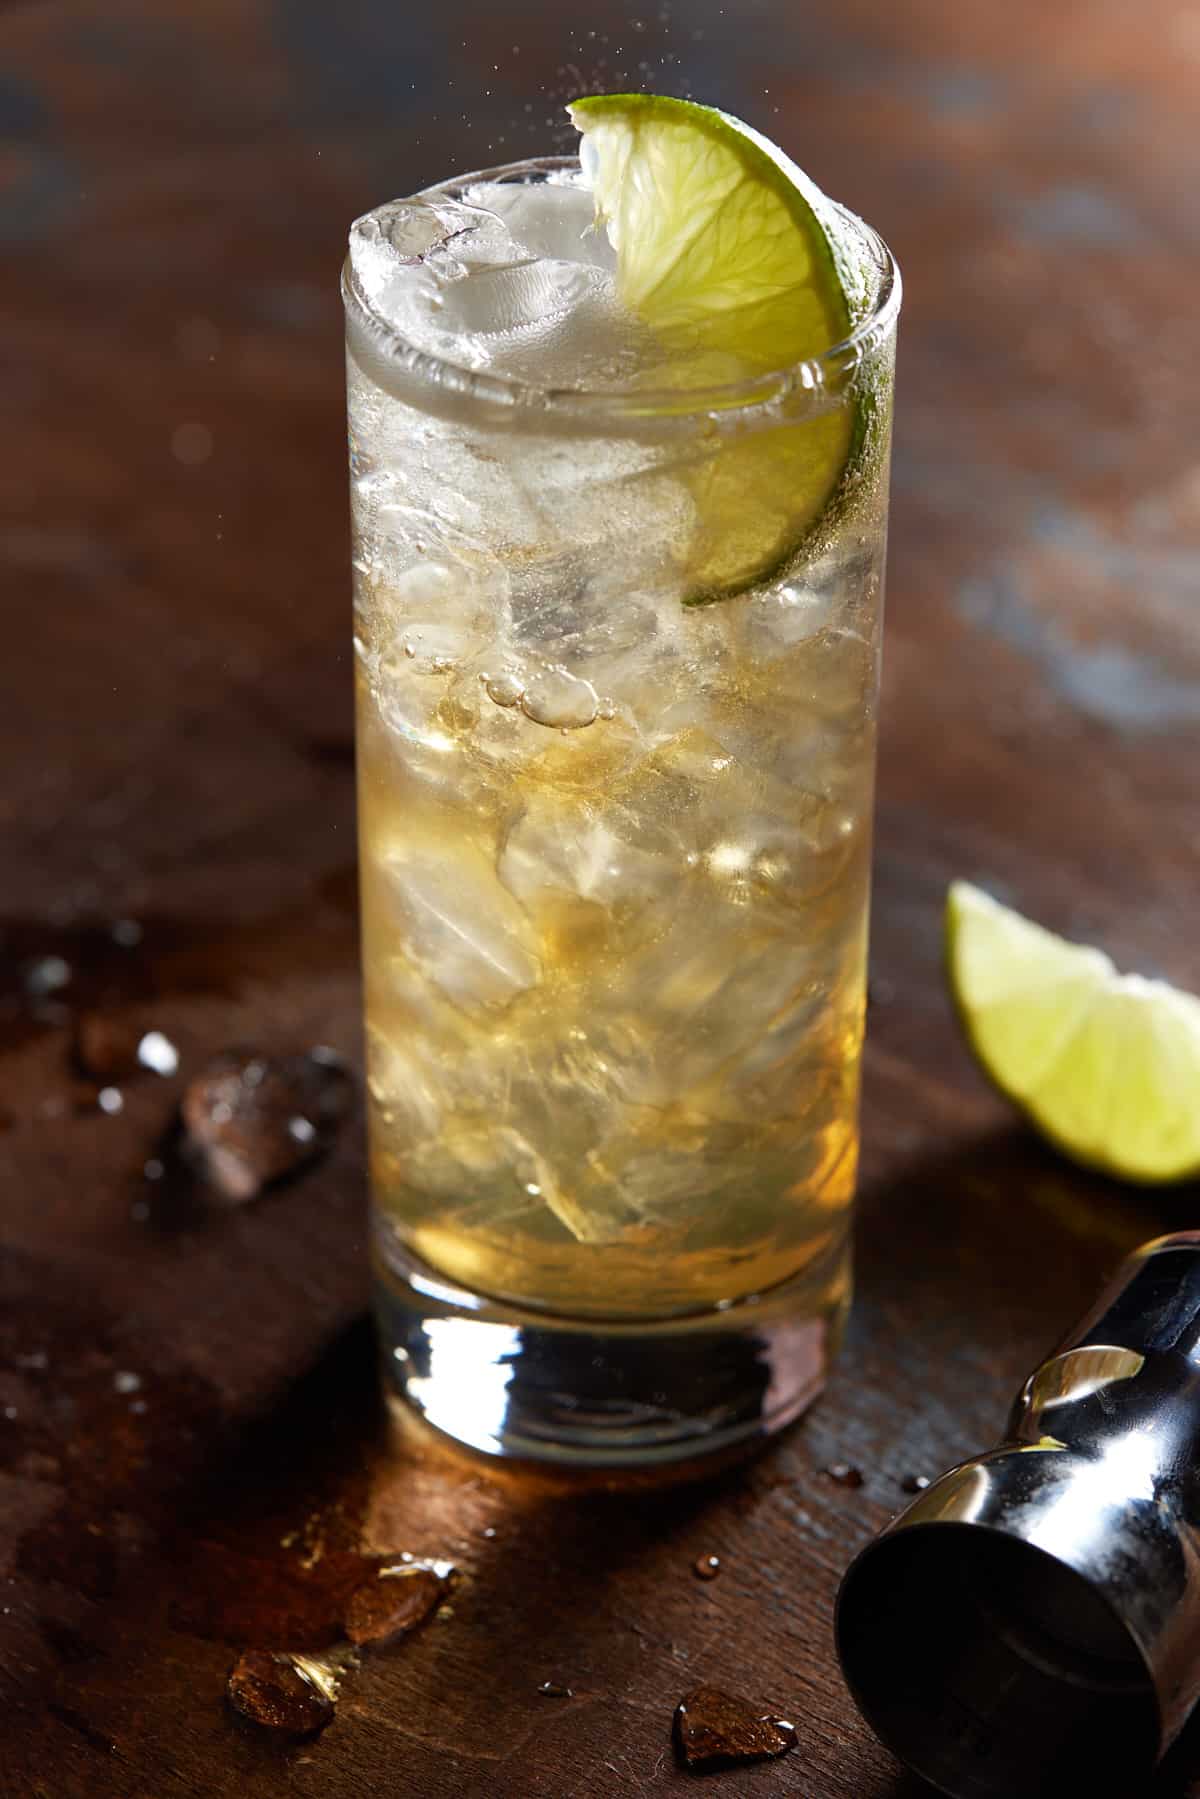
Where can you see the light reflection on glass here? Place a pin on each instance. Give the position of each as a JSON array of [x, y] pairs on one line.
[[464, 1388]]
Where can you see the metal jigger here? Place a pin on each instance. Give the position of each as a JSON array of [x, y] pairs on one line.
[[1030, 1625]]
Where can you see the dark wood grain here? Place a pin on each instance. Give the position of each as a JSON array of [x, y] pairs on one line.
[[175, 184]]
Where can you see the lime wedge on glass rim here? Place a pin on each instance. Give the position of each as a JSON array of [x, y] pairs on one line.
[[739, 266], [1106, 1065]]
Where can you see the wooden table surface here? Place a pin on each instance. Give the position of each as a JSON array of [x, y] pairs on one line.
[[175, 185]]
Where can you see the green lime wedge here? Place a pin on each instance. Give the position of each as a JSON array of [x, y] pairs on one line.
[[1106, 1065], [739, 266]]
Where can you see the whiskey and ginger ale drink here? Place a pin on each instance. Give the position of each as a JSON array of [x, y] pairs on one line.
[[619, 438]]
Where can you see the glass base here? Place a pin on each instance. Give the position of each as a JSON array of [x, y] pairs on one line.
[[587, 1393]]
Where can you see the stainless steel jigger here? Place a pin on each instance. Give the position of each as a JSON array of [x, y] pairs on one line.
[[1031, 1624]]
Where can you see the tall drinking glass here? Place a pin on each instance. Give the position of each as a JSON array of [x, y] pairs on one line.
[[614, 836]]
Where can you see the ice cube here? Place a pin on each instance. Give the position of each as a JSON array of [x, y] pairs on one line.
[[589, 1221], [837, 672], [441, 613], [684, 798], [551, 602], [659, 1178], [573, 332], [499, 279], [552, 219], [251, 1119], [597, 614], [460, 924], [707, 992], [412, 703], [409, 255], [423, 639], [792, 785], [393, 242], [554, 847], [407, 1092], [775, 622], [515, 297], [498, 1177]]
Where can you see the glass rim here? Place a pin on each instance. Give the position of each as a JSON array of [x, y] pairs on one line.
[[802, 385]]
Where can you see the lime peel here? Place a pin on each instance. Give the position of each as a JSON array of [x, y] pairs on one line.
[[1106, 1065]]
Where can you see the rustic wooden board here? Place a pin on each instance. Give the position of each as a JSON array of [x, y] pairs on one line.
[[175, 733]]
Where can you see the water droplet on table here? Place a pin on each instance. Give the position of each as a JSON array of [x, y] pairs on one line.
[[393, 1602], [712, 1726], [280, 1692]]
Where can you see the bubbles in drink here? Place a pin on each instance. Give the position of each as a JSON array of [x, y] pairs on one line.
[[513, 280], [559, 698], [504, 690]]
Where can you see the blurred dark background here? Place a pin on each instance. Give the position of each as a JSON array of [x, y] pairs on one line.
[[176, 835]]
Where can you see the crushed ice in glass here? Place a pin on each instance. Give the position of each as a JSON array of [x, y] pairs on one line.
[[614, 846], [509, 278]]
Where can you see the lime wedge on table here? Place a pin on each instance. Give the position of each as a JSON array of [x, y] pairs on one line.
[[739, 266], [1106, 1065]]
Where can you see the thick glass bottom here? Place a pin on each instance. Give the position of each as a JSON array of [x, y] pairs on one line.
[[591, 1394]]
